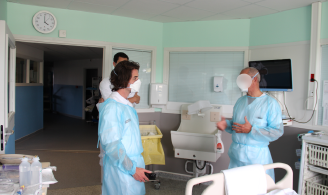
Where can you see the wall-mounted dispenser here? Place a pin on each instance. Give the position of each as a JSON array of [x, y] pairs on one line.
[[218, 84], [158, 94]]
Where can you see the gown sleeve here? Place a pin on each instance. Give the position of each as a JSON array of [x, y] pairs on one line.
[[111, 130], [229, 126], [270, 128]]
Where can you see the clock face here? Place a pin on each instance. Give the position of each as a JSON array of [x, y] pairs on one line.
[[44, 22]]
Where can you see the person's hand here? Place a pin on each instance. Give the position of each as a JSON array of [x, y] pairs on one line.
[[140, 174], [222, 125], [135, 98], [101, 100], [242, 128]]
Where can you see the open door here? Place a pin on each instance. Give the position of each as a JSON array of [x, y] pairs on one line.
[[7, 84]]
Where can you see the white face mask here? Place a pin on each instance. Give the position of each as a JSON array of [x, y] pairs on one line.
[[244, 81], [135, 87]]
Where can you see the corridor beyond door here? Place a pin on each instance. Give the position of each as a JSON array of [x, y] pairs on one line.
[[69, 144]]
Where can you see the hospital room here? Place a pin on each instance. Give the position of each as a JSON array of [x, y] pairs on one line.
[[134, 97]]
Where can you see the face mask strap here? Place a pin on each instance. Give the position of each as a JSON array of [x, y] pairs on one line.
[[115, 72], [255, 75]]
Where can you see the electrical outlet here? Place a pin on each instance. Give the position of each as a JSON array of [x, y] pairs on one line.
[[185, 115], [62, 33], [215, 116]]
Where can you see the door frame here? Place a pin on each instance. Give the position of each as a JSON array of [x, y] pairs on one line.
[[106, 46], [107, 53], [7, 118]]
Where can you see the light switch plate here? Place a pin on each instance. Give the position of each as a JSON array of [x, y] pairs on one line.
[[215, 116], [185, 115], [62, 33]]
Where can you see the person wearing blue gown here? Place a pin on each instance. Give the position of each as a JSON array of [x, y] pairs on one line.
[[119, 136], [256, 121]]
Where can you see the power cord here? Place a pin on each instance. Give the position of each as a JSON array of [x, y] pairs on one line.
[[316, 101], [198, 167], [268, 93]]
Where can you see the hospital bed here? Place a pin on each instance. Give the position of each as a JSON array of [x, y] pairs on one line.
[[218, 185]]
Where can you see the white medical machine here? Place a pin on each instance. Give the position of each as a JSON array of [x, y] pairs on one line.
[[198, 138]]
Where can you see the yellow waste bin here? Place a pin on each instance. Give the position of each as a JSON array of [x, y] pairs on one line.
[[151, 142]]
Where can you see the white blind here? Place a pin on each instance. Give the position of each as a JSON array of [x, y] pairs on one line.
[[324, 76], [192, 74], [144, 60]]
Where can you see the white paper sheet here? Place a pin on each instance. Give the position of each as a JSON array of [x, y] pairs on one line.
[[325, 115], [325, 103], [325, 93]]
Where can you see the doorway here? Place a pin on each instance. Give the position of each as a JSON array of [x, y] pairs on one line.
[[92, 95], [56, 131]]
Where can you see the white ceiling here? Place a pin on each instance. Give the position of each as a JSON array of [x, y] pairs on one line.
[[176, 10], [64, 52]]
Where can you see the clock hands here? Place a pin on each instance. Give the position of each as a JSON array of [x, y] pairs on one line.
[[44, 19]]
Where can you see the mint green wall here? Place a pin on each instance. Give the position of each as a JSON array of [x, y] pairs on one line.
[[283, 27], [220, 33], [324, 21], [3, 9], [91, 26]]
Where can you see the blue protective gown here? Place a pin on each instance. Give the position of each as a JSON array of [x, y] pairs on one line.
[[119, 135], [264, 114]]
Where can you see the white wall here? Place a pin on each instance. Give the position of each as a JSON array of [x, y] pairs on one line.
[[299, 53], [72, 72], [25, 51]]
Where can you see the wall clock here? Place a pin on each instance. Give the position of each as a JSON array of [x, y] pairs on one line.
[[44, 22]]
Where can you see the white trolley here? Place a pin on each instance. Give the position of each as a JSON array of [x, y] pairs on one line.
[[313, 178]]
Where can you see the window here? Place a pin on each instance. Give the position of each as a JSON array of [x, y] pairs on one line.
[[191, 76], [28, 72], [34, 71], [145, 61], [324, 77], [20, 70]]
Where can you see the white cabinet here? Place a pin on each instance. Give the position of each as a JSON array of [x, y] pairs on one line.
[[313, 178]]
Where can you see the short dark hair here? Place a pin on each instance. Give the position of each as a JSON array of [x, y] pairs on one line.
[[122, 73], [118, 55]]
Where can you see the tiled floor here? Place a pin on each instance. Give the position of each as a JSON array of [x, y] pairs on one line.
[[71, 145]]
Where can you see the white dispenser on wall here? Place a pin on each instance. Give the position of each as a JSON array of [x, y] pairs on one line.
[[158, 94], [218, 84]]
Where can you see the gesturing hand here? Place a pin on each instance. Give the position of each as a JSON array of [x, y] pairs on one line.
[[222, 125], [242, 128], [140, 174]]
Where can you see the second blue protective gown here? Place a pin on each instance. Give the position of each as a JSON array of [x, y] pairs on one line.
[[264, 114], [119, 135]]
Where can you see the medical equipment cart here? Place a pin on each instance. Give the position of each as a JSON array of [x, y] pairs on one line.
[[14, 159], [313, 178], [153, 152], [197, 139]]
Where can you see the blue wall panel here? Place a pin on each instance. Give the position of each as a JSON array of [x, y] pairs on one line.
[[67, 99], [29, 110], [10, 146]]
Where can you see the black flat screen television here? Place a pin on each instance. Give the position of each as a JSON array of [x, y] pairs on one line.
[[276, 75]]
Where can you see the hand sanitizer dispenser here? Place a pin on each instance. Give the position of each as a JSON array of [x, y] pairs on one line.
[[218, 84], [158, 94]]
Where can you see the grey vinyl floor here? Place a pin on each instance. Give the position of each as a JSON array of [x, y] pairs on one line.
[[71, 145]]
